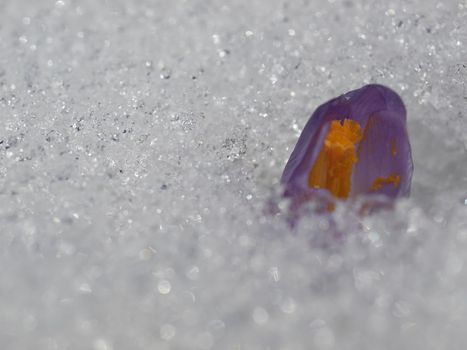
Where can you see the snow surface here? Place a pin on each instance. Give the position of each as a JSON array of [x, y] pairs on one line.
[[140, 142]]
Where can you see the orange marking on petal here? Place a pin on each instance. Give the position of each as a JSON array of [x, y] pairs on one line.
[[334, 165], [393, 148], [380, 181]]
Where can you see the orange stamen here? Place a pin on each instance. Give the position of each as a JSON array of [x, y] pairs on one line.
[[334, 165]]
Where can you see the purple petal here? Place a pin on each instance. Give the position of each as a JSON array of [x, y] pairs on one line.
[[309, 144], [386, 111], [383, 152], [371, 99]]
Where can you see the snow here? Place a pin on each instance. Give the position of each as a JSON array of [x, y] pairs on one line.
[[140, 145]]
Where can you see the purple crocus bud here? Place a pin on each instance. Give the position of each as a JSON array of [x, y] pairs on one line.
[[355, 144]]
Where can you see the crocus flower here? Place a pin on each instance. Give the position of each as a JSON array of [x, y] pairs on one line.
[[355, 144]]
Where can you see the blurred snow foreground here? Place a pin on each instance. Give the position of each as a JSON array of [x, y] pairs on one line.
[[140, 142]]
